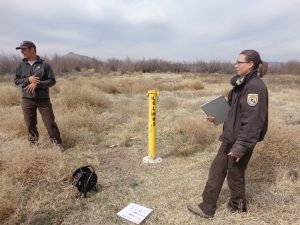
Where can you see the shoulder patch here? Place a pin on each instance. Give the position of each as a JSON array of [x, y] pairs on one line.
[[252, 99]]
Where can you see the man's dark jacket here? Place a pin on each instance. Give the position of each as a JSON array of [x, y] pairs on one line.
[[41, 69], [247, 121]]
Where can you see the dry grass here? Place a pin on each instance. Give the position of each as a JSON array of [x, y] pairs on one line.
[[75, 97], [12, 120], [9, 95], [134, 84], [191, 135], [168, 103], [192, 84], [34, 181], [103, 121]]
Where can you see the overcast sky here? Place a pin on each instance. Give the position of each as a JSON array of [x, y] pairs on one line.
[[181, 30]]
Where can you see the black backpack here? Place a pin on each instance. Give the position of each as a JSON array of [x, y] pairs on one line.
[[85, 179]]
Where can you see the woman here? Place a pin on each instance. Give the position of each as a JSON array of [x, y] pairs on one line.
[[246, 125]]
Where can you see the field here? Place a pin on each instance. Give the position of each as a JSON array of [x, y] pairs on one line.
[[103, 121]]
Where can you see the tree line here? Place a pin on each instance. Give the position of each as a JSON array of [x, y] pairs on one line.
[[63, 64]]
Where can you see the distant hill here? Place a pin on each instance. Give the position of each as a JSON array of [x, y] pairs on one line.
[[72, 55], [275, 63]]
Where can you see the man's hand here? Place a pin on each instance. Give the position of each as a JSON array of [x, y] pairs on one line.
[[211, 119], [34, 79], [234, 156], [31, 88]]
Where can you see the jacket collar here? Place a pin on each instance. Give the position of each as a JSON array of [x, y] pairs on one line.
[[238, 81], [38, 59]]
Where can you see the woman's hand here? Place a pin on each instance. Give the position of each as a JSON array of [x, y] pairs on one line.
[[211, 119]]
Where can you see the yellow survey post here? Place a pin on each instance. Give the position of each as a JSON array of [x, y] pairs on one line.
[[152, 98]]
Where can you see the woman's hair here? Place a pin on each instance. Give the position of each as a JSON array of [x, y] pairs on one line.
[[259, 65]]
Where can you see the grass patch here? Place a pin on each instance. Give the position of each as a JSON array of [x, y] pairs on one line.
[[103, 122]]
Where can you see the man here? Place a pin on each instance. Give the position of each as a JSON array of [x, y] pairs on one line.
[[35, 76], [246, 125]]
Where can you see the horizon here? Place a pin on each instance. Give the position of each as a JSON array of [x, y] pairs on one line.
[[139, 59]]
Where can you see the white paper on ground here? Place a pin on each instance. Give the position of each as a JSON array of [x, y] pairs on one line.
[[134, 213]]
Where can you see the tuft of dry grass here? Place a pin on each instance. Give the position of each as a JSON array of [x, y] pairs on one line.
[[13, 123], [9, 195], [90, 126], [192, 135], [192, 84], [168, 103], [108, 87], [10, 95], [37, 174], [279, 149], [124, 138], [137, 85], [75, 97]]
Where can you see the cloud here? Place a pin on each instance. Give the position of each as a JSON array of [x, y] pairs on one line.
[[176, 30]]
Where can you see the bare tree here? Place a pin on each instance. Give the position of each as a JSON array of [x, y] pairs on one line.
[[76, 63]]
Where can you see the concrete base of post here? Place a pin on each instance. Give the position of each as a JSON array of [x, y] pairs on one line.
[[148, 160]]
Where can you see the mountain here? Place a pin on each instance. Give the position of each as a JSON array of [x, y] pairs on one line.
[[72, 55], [274, 63]]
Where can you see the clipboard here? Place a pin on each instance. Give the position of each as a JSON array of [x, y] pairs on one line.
[[218, 107]]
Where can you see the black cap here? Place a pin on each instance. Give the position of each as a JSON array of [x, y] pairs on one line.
[[26, 44]]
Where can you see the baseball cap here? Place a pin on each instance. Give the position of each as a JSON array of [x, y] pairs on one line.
[[26, 44]]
